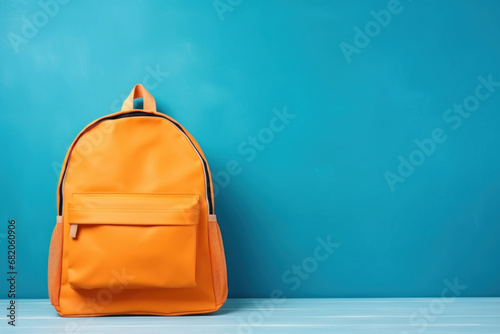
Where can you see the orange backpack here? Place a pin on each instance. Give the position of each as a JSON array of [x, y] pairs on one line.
[[136, 231]]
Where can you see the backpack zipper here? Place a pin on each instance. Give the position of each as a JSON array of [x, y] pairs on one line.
[[143, 114]]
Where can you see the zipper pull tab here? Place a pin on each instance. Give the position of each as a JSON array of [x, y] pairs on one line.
[[73, 229]]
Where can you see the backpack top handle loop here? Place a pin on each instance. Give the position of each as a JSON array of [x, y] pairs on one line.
[[137, 92]]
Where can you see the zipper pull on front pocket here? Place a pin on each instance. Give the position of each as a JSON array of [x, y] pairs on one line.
[[72, 230]]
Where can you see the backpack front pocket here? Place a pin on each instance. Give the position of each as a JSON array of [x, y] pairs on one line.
[[134, 241]]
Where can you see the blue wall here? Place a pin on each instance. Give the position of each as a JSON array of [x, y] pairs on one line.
[[369, 154]]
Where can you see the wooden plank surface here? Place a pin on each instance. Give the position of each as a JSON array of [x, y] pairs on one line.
[[256, 316]]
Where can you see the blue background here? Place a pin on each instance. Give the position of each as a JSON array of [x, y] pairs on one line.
[[322, 175]]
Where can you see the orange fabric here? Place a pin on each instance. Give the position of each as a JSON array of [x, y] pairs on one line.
[[55, 254], [138, 188], [138, 92], [133, 209], [218, 261]]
